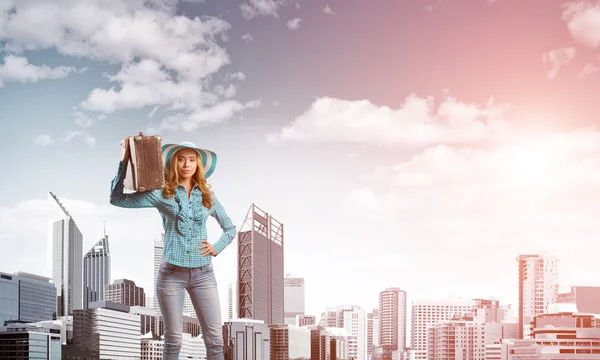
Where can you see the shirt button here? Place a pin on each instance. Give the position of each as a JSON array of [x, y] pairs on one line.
[[188, 251]]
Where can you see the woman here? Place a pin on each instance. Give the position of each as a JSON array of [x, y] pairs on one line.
[[184, 204]]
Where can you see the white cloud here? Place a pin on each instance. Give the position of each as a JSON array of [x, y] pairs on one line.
[[90, 140], [589, 69], [43, 140], [416, 123], [236, 76], [327, 10], [294, 24], [583, 21], [82, 119], [69, 135], [18, 69], [254, 8], [166, 58], [247, 38], [558, 58]]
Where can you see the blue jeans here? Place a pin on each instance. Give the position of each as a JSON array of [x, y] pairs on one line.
[[201, 284]]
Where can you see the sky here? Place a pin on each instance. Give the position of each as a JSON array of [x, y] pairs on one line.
[[419, 144]]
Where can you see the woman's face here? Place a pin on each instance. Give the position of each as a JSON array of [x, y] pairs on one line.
[[186, 163]]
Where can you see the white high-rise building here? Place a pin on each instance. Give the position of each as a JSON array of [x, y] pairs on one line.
[[352, 318], [188, 307], [372, 332], [293, 299], [457, 339], [429, 312], [538, 288], [392, 314], [67, 262], [234, 310], [96, 272], [108, 328]]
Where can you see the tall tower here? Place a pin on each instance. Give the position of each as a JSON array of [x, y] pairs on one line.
[[392, 315], [67, 258], [260, 267], [96, 272], [538, 288], [293, 295]]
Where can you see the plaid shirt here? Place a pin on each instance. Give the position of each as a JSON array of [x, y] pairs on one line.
[[184, 220]]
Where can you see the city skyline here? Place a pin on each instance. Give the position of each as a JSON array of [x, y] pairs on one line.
[[400, 139]]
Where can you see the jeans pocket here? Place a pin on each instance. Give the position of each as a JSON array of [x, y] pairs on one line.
[[167, 268]]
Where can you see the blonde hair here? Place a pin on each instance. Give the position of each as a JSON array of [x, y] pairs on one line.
[[172, 181]]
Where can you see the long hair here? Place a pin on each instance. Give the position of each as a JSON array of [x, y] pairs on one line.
[[172, 181]]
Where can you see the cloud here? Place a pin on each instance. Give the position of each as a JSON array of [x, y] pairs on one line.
[[583, 21], [166, 59], [236, 76], [558, 58], [294, 24], [82, 119], [589, 69], [536, 192], [90, 140], [43, 140], [18, 69], [417, 123], [254, 8], [247, 38], [327, 10]]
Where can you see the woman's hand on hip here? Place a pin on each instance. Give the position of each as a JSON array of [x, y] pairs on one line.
[[207, 249]]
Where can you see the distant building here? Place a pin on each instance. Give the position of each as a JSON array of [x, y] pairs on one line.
[[247, 339], [108, 328], [538, 288], [125, 292], [289, 342], [585, 298], [428, 312], [67, 262], [24, 342], [294, 298], [26, 298], [96, 272], [260, 268], [304, 320]]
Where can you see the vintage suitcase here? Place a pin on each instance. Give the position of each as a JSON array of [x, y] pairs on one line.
[[145, 170]]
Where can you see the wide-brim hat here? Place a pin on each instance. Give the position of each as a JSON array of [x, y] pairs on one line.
[[209, 158]]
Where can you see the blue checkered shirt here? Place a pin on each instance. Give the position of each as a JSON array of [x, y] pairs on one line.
[[184, 221]]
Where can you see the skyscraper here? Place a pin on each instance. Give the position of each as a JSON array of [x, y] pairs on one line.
[[538, 288], [260, 267], [67, 258], [96, 272], [293, 295], [392, 315]]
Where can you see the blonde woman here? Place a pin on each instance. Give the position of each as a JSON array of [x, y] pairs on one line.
[[185, 205]]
